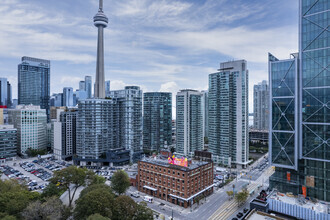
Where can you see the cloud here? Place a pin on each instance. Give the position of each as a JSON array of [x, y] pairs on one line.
[[239, 43]]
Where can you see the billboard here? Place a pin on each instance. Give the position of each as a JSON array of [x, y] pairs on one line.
[[178, 161]]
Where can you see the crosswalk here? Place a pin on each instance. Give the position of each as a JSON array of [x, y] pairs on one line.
[[229, 207]]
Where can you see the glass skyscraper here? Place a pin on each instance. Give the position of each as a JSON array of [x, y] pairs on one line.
[[157, 120], [129, 101], [88, 86], [68, 97], [260, 106], [300, 112], [228, 114], [189, 122], [107, 88], [34, 82]]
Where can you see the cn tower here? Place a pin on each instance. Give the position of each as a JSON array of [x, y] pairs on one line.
[[101, 22]]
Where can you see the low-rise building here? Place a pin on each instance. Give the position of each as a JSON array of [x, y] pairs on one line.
[[181, 185], [8, 143]]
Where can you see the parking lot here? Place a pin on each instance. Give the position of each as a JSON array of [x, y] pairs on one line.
[[35, 173]]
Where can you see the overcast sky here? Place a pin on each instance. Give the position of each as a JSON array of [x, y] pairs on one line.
[[160, 45]]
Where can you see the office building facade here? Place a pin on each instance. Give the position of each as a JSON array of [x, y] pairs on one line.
[[157, 120], [5, 93], [129, 102], [228, 114], [189, 122], [97, 130], [82, 86], [299, 100], [88, 86], [34, 82], [205, 112], [261, 106], [67, 96], [107, 88], [68, 120], [31, 124], [8, 142]]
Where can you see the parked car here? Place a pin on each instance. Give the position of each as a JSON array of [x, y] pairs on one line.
[[239, 215], [135, 195]]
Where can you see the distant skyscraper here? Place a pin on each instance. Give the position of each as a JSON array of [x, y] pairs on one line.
[[300, 116], [97, 129], [34, 82], [157, 120], [3, 92], [82, 86], [260, 106], [88, 86], [68, 96], [31, 124], [129, 101], [80, 95], [228, 114], [9, 95], [101, 22], [205, 112], [189, 122], [107, 88], [56, 100]]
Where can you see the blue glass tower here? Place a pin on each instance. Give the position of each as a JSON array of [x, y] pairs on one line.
[[157, 120], [34, 82], [300, 108]]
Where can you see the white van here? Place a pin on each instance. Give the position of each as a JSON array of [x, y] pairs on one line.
[[148, 199]]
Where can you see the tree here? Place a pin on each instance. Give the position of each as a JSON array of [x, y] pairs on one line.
[[52, 208], [9, 217], [97, 217], [71, 178], [143, 212], [125, 208], [120, 182], [230, 194], [95, 201], [52, 190], [14, 197], [95, 187], [241, 197]]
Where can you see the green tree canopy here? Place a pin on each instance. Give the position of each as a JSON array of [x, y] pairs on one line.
[[143, 212], [96, 201], [97, 217], [125, 208], [52, 208], [120, 182], [71, 178], [241, 197], [14, 197], [95, 187]]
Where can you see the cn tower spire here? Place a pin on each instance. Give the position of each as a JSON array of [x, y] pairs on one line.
[[101, 22]]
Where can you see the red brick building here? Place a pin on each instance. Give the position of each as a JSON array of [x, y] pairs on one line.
[[177, 184]]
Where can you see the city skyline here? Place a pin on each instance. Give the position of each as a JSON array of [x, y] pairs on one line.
[[69, 40]]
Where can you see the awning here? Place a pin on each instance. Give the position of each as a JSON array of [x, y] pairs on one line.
[[148, 187], [191, 197]]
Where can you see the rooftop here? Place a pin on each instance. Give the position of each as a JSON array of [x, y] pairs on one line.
[[320, 206], [161, 162]]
